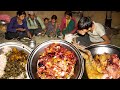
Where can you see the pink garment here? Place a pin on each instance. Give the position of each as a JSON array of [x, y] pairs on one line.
[[63, 24], [5, 17]]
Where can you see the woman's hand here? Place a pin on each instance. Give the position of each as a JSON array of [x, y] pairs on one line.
[[20, 29], [29, 34]]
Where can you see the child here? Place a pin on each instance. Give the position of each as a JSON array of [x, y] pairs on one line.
[[52, 26], [92, 30], [46, 21]]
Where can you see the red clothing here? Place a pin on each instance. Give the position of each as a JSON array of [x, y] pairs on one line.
[[63, 24], [5, 18]]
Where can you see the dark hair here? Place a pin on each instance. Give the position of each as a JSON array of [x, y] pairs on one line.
[[68, 13], [54, 17], [21, 13], [84, 23], [46, 19]]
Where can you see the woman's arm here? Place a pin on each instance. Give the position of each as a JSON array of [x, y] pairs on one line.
[[25, 25], [11, 27], [62, 25], [26, 28], [71, 27], [75, 29]]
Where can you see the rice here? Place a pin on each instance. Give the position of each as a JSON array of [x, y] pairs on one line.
[[6, 49], [1, 73], [3, 62]]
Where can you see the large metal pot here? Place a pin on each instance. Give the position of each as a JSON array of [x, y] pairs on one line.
[[100, 49], [19, 46], [33, 58]]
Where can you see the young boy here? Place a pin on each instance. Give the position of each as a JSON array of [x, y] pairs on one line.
[[46, 21], [95, 31], [52, 26]]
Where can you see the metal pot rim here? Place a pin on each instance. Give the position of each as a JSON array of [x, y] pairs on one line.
[[16, 44], [102, 45]]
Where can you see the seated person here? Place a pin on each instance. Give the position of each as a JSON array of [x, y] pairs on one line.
[[17, 28], [46, 21], [52, 26], [35, 24], [95, 32], [68, 24]]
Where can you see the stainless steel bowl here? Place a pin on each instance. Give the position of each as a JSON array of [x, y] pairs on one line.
[[19, 46], [33, 58], [100, 49]]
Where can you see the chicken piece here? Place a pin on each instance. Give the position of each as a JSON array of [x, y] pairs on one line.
[[103, 59], [101, 69], [105, 76], [95, 64], [91, 68], [115, 59], [113, 71], [15, 50], [92, 73], [108, 56], [96, 57]]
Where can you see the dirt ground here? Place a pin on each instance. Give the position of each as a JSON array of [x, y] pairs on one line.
[[114, 35]]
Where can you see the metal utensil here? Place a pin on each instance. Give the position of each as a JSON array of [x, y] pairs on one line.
[[32, 44]]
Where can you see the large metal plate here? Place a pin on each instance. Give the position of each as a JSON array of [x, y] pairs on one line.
[[19, 46]]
